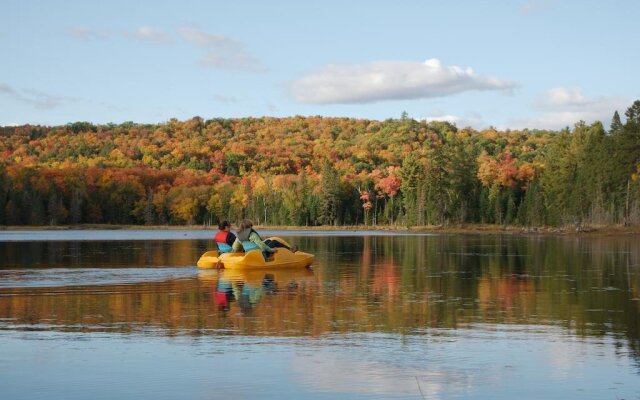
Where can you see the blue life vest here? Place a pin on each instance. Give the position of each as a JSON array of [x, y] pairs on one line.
[[248, 245], [224, 248]]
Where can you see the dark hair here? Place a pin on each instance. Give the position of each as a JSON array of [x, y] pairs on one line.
[[223, 224]]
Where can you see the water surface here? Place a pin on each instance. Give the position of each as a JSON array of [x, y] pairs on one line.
[[379, 316]]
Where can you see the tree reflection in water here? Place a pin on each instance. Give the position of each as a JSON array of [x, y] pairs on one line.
[[390, 284]]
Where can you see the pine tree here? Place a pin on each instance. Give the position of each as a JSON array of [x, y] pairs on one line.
[[304, 193], [12, 211], [149, 217], [411, 174], [75, 208], [3, 204], [616, 124], [329, 196], [531, 211], [633, 113], [37, 212]]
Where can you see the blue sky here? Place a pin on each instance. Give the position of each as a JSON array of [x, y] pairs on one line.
[[509, 64]]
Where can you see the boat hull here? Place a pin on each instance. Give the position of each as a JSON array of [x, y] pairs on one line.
[[282, 258]]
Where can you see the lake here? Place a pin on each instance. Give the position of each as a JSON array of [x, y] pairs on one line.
[[381, 315]]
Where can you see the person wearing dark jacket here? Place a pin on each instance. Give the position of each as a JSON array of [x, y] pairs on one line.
[[224, 238]]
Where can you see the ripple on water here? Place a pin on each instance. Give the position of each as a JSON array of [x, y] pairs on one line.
[[59, 277]]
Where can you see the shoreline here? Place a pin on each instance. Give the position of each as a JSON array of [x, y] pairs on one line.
[[588, 230]]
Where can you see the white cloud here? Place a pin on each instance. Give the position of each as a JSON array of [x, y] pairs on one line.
[[148, 33], [445, 118], [390, 80], [222, 52], [37, 99], [232, 60], [473, 120], [562, 97], [84, 33], [144, 33], [205, 39], [561, 107]]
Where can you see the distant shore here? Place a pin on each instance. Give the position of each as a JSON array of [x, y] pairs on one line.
[[605, 230]]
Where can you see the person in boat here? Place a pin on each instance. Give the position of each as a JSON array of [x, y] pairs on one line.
[[249, 239], [224, 238]]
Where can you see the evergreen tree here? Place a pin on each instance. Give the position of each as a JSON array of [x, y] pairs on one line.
[[633, 113], [37, 213], [411, 174], [149, 214], [558, 179], [304, 194], [616, 124], [531, 211], [12, 212], [24, 205], [438, 187], [329, 199], [4, 194], [75, 206]]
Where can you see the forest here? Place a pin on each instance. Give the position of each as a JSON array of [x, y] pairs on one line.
[[309, 171]]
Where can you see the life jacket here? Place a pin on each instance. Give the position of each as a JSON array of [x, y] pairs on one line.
[[247, 244], [221, 241]]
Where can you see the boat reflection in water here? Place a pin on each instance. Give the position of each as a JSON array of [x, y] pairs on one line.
[[246, 288]]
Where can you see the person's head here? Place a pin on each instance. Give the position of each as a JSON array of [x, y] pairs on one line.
[[245, 224], [224, 225]]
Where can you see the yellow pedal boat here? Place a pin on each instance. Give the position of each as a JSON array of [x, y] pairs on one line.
[[282, 258]]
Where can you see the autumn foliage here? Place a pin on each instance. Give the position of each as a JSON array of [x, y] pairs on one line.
[[314, 170]]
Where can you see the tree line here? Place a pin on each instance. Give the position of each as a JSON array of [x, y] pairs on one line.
[[320, 171]]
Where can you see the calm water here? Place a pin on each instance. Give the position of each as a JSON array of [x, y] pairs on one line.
[[114, 315]]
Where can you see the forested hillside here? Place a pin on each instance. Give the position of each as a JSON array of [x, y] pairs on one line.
[[314, 170]]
